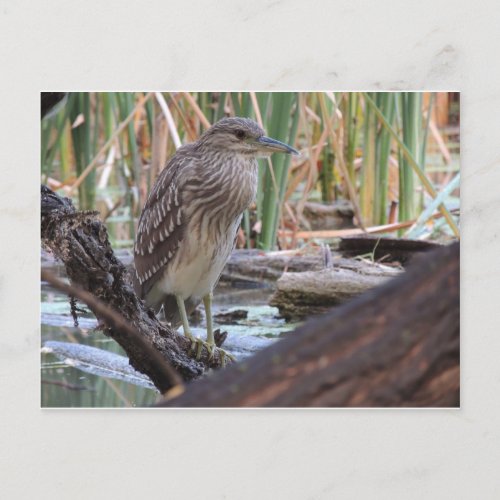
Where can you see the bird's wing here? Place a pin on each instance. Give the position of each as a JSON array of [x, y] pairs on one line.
[[161, 225]]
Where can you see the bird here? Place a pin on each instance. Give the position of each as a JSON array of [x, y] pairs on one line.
[[189, 223]]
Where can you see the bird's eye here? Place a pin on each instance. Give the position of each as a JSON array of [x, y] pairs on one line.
[[240, 134]]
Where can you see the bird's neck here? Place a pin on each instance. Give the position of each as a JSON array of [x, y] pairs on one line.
[[230, 180], [224, 160]]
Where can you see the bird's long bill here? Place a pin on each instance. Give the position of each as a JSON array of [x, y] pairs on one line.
[[274, 146]]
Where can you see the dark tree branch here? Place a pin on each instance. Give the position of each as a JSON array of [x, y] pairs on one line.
[[80, 241]]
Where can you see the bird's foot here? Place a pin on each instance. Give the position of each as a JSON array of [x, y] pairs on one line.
[[223, 355], [198, 344]]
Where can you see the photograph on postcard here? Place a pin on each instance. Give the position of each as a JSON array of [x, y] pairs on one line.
[[240, 249]]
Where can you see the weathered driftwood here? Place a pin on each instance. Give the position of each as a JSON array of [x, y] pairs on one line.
[[80, 241], [266, 267], [256, 266], [299, 295], [397, 345]]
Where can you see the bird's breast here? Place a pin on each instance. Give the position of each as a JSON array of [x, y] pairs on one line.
[[221, 192]]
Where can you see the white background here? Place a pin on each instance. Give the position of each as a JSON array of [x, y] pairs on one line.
[[249, 45]]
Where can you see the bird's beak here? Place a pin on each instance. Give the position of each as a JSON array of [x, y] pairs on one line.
[[268, 145]]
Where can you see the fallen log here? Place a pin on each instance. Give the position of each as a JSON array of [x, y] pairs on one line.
[[299, 295], [256, 266], [386, 249], [396, 345], [265, 268]]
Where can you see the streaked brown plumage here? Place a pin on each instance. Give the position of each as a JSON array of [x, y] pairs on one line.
[[189, 223]]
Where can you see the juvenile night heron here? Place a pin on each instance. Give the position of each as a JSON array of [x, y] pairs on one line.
[[189, 223]]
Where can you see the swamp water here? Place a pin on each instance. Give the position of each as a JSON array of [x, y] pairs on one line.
[[81, 367]]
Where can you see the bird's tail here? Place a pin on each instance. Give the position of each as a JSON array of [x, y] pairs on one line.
[[171, 311]]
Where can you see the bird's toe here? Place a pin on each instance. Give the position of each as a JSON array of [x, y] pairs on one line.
[[224, 356]]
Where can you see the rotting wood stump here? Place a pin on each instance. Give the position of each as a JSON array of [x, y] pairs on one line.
[[396, 345]]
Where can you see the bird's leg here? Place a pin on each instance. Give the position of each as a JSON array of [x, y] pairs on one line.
[[196, 343], [184, 318], [207, 302]]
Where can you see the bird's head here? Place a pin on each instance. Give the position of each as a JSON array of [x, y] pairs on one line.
[[242, 136]]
